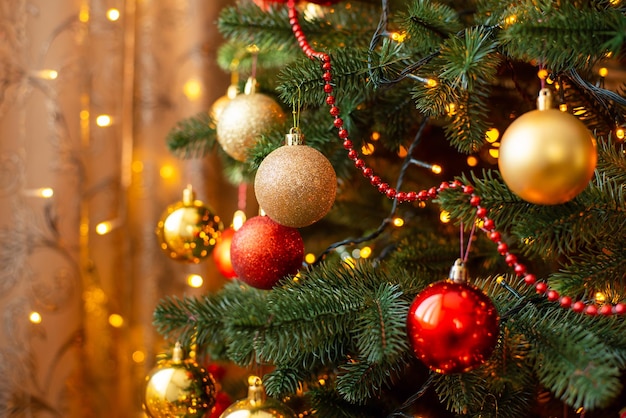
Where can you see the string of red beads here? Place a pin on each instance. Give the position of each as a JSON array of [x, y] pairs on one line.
[[488, 225]]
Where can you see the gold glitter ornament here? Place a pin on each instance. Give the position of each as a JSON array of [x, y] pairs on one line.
[[179, 387], [257, 404], [546, 156], [245, 119], [188, 230], [218, 106], [295, 184]]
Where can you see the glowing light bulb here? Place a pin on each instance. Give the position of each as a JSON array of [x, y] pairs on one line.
[[492, 135], [436, 168], [619, 133], [367, 149], [35, 317], [116, 320], [195, 281], [472, 161], [375, 136], [310, 258], [113, 14], [104, 120], [366, 252], [444, 216], [398, 222], [603, 72], [431, 83]]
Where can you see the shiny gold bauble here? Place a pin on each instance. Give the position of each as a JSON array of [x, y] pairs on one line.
[[295, 185], [218, 106], [546, 156], [179, 388], [188, 230], [257, 405]]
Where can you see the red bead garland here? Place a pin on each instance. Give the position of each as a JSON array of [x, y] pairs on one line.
[[488, 225]]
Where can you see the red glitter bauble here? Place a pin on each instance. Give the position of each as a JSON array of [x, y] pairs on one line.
[[221, 254], [263, 252], [453, 327]]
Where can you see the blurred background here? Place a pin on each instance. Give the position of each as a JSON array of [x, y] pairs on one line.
[[88, 92]]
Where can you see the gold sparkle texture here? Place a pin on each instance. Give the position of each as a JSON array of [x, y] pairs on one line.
[[295, 185], [244, 120]]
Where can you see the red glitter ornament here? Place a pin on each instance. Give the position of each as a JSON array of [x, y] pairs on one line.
[[263, 252], [453, 327], [221, 254]]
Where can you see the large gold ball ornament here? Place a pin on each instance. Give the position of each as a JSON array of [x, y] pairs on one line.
[[295, 184], [257, 404], [179, 388], [245, 119], [188, 230], [547, 157]]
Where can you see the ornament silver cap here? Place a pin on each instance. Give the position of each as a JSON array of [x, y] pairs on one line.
[[458, 272]]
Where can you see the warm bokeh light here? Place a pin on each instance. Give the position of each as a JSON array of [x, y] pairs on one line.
[[46, 74], [367, 149], [398, 36], [104, 228], [600, 297], [116, 320], [366, 252], [444, 216], [492, 135], [239, 218], [104, 120], [35, 317], [603, 72], [472, 161], [542, 74], [619, 133], [113, 14], [137, 166], [138, 356], [509, 20], [167, 171], [375, 136], [402, 151], [310, 258], [563, 107], [494, 152], [192, 89], [398, 222], [431, 83], [195, 280], [44, 192], [83, 15]]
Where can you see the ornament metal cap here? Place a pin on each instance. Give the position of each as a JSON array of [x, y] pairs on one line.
[[544, 100], [458, 272], [250, 87], [189, 196], [177, 353], [256, 391], [294, 137]]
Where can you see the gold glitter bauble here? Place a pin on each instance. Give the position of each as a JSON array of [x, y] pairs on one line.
[[244, 120], [295, 185], [257, 405], [188, 230], [546, 156], [179, 388], [218, 106]]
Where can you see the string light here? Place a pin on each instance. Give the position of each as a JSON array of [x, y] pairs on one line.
[[472, 161], [367, 149], [563, 107], [116, 320], [104, 120], [444, 216], [42, 192], [398, 222], [167, 171], [113, 14], [366, 252], [402, 151], [45, 74], [138, 356], [619, 133], [431, 83], [35, 317], [492, 135], [603, 72], [195, 280], [436, 169], [192, 89], [310, 258]]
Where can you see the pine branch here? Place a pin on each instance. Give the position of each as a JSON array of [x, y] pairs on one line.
[[192, 137], [429, 23], [565, 35]]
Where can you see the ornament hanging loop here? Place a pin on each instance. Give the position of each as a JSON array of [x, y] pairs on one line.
[[458, 272]]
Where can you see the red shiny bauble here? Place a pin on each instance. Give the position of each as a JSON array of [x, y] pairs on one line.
[[452, 327], [222, 401], [263, 252], [221, 254]]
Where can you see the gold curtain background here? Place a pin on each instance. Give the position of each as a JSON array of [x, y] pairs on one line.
[[63, 63]]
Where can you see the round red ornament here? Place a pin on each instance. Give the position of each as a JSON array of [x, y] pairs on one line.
[[221, 254], [452, 327], [263, 252], [265, 4]]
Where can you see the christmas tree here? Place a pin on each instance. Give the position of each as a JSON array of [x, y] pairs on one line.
[[411, 103]]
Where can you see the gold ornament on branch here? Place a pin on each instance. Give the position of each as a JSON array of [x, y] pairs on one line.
[[547, 157], [245, 119], [257, 404], [188, 230], [295, 184], [179, 387]]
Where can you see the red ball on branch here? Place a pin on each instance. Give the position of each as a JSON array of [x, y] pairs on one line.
[[263, 252], [265, 4], [452, 327]]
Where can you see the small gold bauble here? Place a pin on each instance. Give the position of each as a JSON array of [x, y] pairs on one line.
[[188, 230], [257, 405], [218, 106], [546, 156], [295, 185], [245, 119], [178, 388]]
